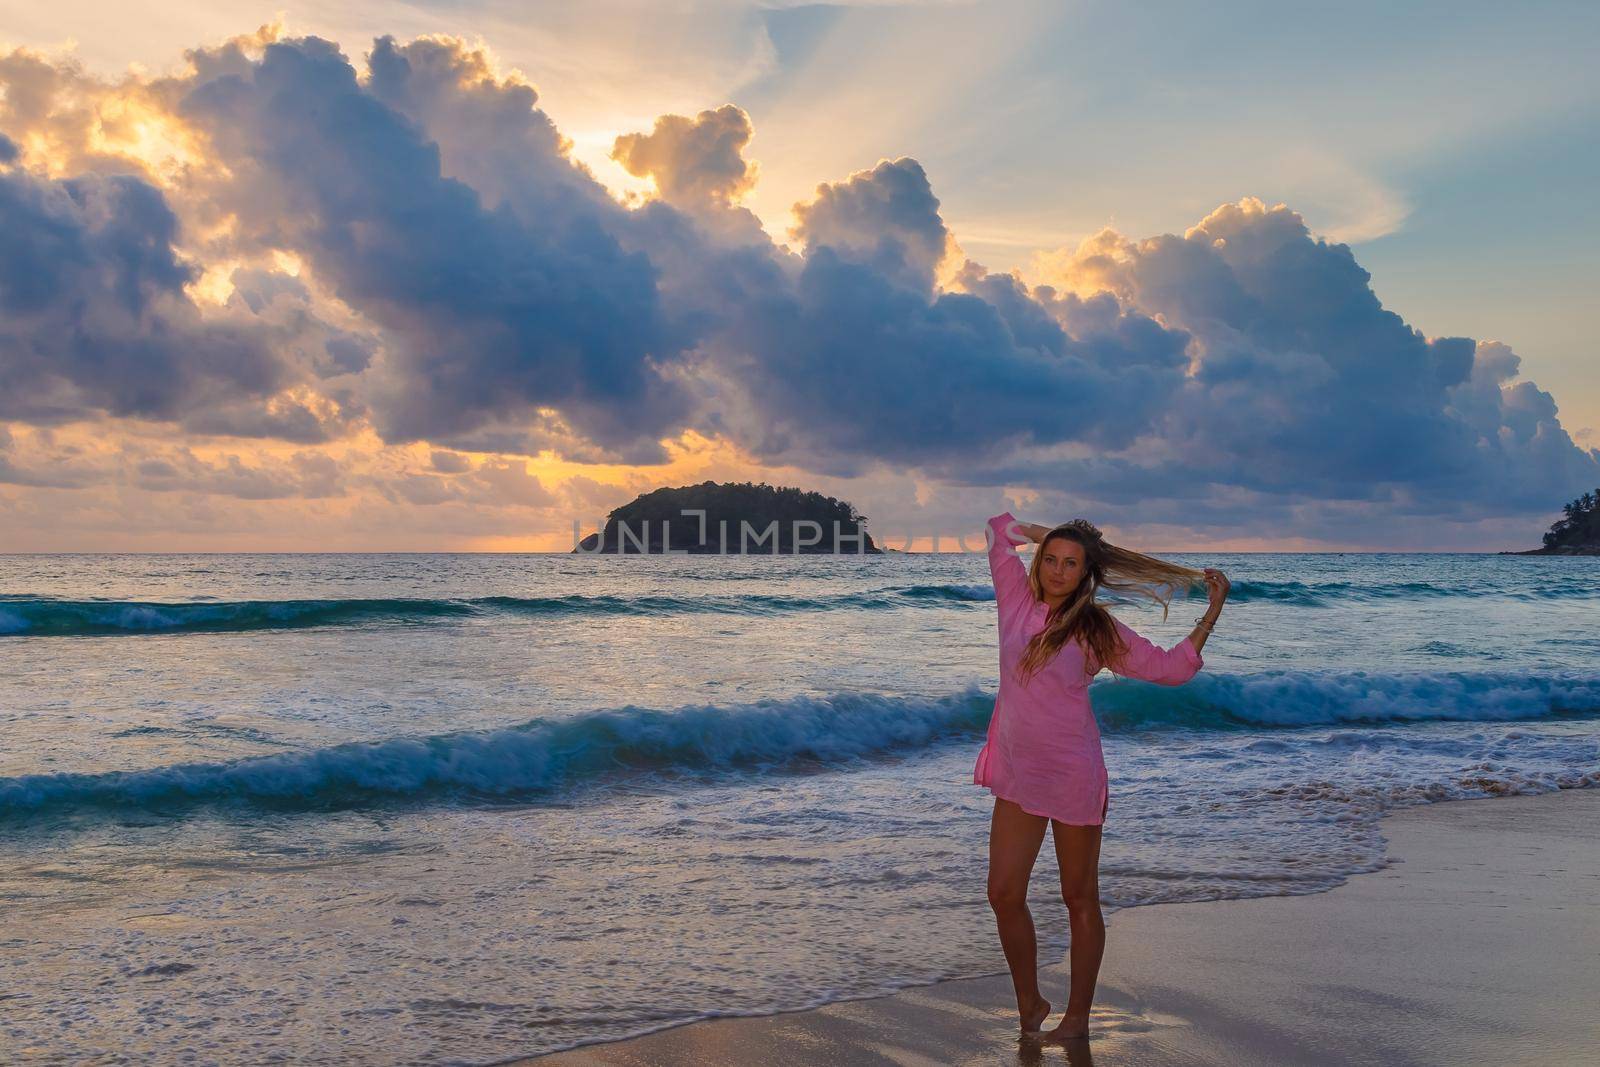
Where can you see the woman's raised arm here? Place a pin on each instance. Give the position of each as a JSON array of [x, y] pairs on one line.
[[1152, 663], [1009, 574]]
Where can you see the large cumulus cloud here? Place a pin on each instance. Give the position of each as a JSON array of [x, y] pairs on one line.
[[1305, 384], [490, 314], [848, 357]]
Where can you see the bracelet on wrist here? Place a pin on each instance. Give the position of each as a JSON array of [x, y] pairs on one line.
[[1203, 624]]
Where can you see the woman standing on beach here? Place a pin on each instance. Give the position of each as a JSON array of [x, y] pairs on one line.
[[1042, 759]]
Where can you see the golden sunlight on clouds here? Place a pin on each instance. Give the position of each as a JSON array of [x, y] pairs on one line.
[[1085, 270], [215, 283], [69, 121], [130, 127], [130, 478], [592, 148]]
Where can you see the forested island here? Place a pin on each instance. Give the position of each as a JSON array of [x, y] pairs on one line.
[[734, 518], [1577, 533]]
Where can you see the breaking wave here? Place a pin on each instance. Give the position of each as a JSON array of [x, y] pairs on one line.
[[547, 754]]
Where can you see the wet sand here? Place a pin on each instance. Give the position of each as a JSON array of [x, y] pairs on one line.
[[1479, 943]]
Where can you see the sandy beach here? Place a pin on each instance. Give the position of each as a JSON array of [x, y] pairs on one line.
[[1478, 943]]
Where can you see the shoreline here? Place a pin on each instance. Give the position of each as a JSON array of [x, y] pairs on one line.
[[1475, 941]]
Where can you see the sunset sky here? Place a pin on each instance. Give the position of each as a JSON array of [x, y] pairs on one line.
[[452, 276]]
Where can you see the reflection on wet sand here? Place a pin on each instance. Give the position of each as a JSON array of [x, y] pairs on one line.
[[962, 1023], [1037, 1053]]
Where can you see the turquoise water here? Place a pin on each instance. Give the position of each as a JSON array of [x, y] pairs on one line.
[[444, 808]]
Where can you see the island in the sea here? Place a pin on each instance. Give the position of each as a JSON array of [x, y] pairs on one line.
[[1576, 533], [732, 518]]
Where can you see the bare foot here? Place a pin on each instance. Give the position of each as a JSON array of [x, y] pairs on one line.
[[1033, 1019], [1070, 1028]]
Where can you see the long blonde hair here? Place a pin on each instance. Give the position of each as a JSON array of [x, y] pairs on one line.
[[1106, 566]]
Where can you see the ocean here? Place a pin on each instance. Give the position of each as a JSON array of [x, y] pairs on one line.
[[354, 809]]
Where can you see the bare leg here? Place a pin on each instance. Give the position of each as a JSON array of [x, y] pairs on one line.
[[1078, 855], [1014, 840]]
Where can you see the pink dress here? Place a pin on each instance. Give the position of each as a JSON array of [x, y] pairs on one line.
[[1043, 751]]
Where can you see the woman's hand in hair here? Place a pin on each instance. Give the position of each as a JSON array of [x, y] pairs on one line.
[[1032, 531], [1217, 586]]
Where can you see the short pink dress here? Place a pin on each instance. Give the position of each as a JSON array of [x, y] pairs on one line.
[[1043, 750]]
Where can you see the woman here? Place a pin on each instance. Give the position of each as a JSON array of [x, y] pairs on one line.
[[1042, 759]]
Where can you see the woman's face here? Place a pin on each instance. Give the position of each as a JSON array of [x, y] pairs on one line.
[[1061, 566]]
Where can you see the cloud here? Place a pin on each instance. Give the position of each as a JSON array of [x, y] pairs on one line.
[[449, 462], [849, 358], [279, 245], [58, 471], [490, 133], [693, 161], [44, 459], [496, 484], [886, 219], [1305, 384], [489, 315], [850, 369], [94, 316], [306, 475]]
